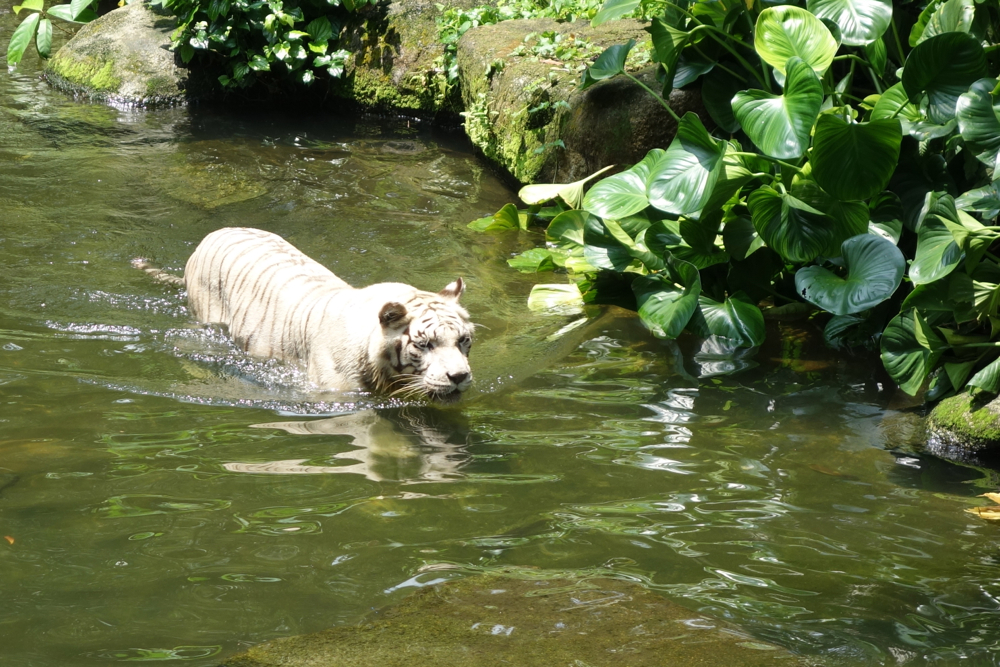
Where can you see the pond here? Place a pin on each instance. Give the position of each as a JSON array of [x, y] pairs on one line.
[[164, 498]]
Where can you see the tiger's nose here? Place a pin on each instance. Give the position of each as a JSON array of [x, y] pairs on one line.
[[458, 378]]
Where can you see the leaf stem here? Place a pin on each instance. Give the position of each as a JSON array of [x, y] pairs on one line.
[[649, 90], [712, 30], [899, 44]]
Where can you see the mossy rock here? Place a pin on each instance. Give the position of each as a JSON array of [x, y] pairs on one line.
[[527, 114], [395, 49], [122, 58], [492, 621], [965, 428]]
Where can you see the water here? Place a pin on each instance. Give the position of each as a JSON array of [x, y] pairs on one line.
[[164, 498]]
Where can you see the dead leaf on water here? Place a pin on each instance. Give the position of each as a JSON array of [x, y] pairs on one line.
[[995, 497], [989, 513], [10, 540]]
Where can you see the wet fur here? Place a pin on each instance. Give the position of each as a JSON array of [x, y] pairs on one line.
[[279, 303]]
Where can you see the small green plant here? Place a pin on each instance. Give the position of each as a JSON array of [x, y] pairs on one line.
[[850, 177], [263, 40], [37, 26]]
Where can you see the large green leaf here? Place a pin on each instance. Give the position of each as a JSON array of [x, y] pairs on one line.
[[668, 43], [557, 299], [985, 200], [602, 248], [987, 379], [855, 160], [535, 260], [895, 103], [851, 217], [950, 16], [667, 302], [886, 216], [624, 193], [780, 124], [568, 227], [787, 31], [875, 267], [21, 38], [944, 67], [910, 349], [741, 238], [681, 181], [506, 218], [613, 9], [795, 230], [860, 21], [43, 41], [937, 252], [77, 7], [979, 121], [737, 318], [608, 64]]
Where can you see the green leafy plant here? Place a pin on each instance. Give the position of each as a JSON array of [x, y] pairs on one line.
[[263, 40], [37, 26], [849, 177]]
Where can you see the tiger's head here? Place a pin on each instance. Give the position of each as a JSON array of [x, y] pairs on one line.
[[427, 340]]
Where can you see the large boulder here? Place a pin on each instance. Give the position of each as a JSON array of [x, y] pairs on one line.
[[493, 621], [965, 428], [122, 58], [527, 114]]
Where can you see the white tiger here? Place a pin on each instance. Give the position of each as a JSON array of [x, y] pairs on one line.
[[277, 302]]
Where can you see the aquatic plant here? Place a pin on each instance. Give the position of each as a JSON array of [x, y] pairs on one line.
[[849, 177]]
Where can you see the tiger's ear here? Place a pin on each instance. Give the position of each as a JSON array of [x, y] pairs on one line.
[[454, 290], [393, 314]]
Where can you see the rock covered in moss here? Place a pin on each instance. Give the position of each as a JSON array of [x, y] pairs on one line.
[[122, 58], [524, 110], [492, 621], [965, 427]]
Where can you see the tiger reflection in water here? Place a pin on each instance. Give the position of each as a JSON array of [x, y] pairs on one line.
[[405, 445]]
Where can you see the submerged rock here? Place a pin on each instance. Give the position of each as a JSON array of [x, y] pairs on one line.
[[525, 111], [489, 620], [122, 58], [965, 428]]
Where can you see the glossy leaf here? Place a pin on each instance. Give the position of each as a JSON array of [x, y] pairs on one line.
[[622, 194], [21, 38], [741, 238], [787, 31], [875, 267], [886, 213], [861, 21], [31, 5], [43, 39], [63, 12], [978, 118], [910, 349], [681, 180], [944, 67], [571, 193], [796, 231], [613, 9], [987, 379], [533, 261], [666, 303], [668, 43], [608, 64], [506, 218], [602, 249], [737, 319], [568, 226], [895, 103], [780, 124], [851, 217], [77, 7], [937, 252], [855, 160], [985, 200], [950, 16], [877, 55]]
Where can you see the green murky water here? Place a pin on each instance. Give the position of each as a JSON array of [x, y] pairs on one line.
[[164, 498]]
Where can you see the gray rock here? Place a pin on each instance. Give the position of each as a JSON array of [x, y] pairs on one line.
[[491, 621], [122, 58], [527, 114]]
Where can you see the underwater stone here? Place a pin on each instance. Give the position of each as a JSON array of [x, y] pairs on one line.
[[519, 107], [121, 58], [496, 620]]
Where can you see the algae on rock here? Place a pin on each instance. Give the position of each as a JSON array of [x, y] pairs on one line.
[[526, 113], [122, 58], [964, 427], [531, 621]]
